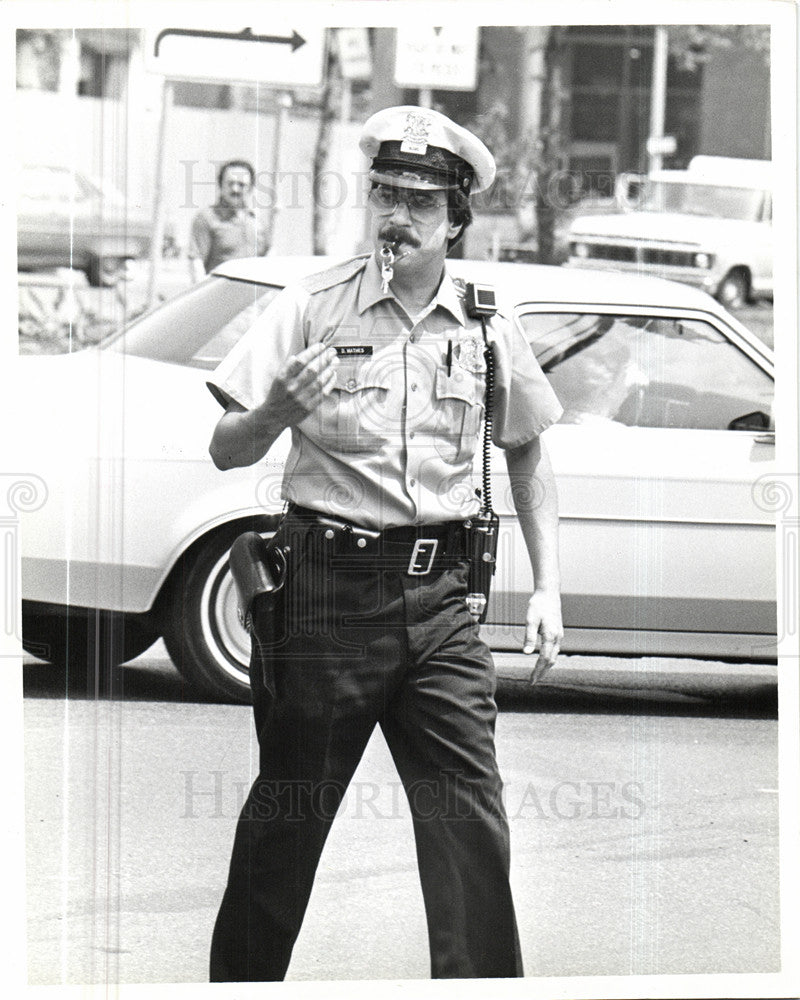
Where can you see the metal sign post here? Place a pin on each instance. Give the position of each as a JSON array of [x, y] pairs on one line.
[[167, 94], [284, 101], [355, 63]]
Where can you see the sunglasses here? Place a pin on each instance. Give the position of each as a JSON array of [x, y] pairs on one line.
[[420, 204]]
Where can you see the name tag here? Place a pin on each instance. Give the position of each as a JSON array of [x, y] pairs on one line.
[[354, 350]]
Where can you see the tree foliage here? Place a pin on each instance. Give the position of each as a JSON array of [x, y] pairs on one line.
[[694, 44]]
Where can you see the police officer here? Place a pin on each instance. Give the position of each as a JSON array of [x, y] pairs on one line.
[[379, 372]]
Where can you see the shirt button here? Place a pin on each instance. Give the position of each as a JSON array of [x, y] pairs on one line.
[[412, 433], [412, 482], [413, 386], [351, 383]]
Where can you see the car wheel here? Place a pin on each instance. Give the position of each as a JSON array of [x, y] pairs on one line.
[[105, 272], [94, 639], [201, 625], [734, 289]]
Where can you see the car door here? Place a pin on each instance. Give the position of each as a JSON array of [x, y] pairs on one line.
[[666, 429]]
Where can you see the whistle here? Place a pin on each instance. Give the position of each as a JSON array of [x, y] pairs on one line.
[[387, 266]]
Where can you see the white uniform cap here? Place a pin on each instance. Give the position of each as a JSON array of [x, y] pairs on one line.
[[421, 148]]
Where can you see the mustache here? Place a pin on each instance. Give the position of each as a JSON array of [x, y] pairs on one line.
[[396, 234]]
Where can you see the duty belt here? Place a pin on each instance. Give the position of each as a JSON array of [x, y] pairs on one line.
[[416, 548]]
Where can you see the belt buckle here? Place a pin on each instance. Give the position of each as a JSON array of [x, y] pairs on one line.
[[422, 556]]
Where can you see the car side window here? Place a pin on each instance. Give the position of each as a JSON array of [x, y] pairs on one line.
[[648, 371]]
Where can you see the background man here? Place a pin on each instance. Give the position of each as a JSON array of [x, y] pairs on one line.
[[229, 228], [380, 374]]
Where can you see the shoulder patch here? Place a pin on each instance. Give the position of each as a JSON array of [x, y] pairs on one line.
[[335, 275]]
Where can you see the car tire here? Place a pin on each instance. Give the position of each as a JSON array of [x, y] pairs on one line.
[[200, 623], [90, 639], [734, 289], [105, 272]]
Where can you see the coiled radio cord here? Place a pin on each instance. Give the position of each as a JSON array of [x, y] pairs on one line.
[[486, 485]]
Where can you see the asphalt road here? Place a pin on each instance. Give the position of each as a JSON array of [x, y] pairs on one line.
[[758, 317], [642, 798]]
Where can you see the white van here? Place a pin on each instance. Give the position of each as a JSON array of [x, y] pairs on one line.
[[709, 225]]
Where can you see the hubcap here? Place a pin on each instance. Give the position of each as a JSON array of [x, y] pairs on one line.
[[225, 638]]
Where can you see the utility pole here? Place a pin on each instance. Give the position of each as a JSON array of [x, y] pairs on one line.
[[658, 99]]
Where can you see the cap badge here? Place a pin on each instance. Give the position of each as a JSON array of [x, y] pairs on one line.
[[415, 137]]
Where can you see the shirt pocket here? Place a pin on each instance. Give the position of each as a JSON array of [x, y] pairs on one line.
[[459, 406], [360, 420]]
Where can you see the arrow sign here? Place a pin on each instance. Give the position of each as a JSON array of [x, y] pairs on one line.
[[275, 55], [245, 35]]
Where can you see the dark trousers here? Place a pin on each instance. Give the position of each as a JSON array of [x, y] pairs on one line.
[[351, 642]]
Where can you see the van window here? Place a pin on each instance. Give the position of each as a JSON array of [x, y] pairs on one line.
[[743, 204]]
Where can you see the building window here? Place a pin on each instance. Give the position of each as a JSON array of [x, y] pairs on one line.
[[595, 116], [610, 80]]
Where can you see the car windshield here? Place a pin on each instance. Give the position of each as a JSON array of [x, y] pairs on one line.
[[48, 184], [198, 328], [743, 204]]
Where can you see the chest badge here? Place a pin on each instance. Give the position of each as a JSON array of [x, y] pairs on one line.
[[469, 353]]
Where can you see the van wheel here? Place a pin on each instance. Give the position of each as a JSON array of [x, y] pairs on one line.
[[734, 289], [200, 620]]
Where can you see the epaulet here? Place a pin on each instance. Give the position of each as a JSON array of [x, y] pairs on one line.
[[334, 275]]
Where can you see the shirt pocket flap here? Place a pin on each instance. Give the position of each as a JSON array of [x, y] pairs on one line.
[[459, 384]]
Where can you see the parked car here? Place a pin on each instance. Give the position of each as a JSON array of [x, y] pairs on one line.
[[709, 225], [667, 431], [67, 219]]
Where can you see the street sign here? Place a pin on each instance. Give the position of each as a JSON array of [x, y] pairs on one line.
[[443, 58], [273, 55], [354, 53]]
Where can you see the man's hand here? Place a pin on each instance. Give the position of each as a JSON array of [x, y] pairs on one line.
[[300, 385], [543, 624], [242, 437]]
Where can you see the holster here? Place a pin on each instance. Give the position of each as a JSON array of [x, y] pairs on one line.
[[257, 567]]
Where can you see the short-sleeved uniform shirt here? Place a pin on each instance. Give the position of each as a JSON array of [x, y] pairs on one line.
[[394, 442], [221, 233]]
